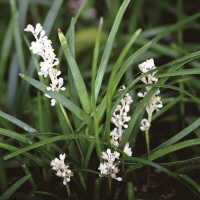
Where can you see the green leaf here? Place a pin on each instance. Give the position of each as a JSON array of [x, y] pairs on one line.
[[28, 155], [46, 141], [78, 79], [108, 47], [3, 179], [170, 87], [16, 136], [19, 123], [178, 136], [195, 186], [146, 162], [14, 187], [17, 37], [60, 98], [182, 162], [46, 193], [173, 148], [179, 73], [27, 140], [6, 46], [52, 15]]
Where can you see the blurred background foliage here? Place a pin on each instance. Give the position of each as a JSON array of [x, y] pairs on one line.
[[20, 100]]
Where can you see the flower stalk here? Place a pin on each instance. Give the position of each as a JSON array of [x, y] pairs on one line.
[[153, 105]]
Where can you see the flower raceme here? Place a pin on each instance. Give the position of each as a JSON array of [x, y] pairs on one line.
[[62, 169], [110, 167], [120, 119], [154, 103], [42, 47]]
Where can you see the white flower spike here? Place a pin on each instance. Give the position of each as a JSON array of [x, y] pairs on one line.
[[154, 103], [62, 169], [42, 47]]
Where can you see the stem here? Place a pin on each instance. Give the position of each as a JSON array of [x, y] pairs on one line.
[[110, 184], [70, 126], [147, 142], [68, 190], [148, 145]]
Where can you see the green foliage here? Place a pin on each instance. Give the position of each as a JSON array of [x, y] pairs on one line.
[[99, 51]]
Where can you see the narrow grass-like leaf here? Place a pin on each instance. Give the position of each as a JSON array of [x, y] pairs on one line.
[[195, 186], [125, 51], [28, 155], [167, 107], [93, 100], [78, 79], [26, 170], [6, 46], [60, 98], [46, 141], [182, 162], [178, 136], [170, 87], [14, 135], [46, 194], [3, 178], [51, 15], [88, 155], [174, 147], [108, 47], [179, 73], [17, 122], [17, 37], [12, 84], [25, 139], [146, 162], [14, 187], [95, 58]]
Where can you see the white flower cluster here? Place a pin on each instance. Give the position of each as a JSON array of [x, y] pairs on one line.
[[120, 119], [155, 103], [42, 47], [110, 167], [62, 169]]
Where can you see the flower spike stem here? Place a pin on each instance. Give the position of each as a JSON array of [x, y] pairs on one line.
[[148, 153], [70, 126], [110, 184], [68, 190]]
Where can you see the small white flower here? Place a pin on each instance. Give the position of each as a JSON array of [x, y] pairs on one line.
[[29, 28], [127, 150], [53, 102], [118, 179], [103, 168], [145, 125]]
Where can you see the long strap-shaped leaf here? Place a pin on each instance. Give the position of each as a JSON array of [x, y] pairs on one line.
[[60, 98], [19, 123], [143, 161], [14, 187], [78, 79], [46, 141], [108, 47]]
